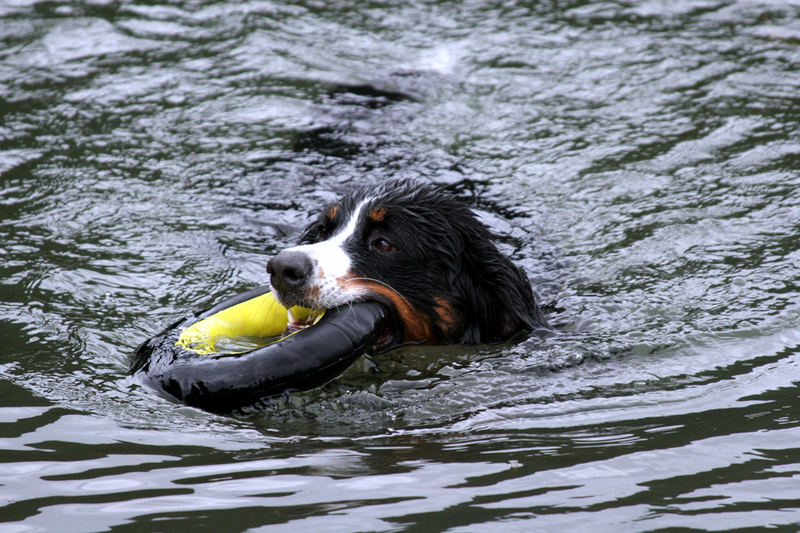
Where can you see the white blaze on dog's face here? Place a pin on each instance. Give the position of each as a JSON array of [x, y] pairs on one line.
[[331, 268]]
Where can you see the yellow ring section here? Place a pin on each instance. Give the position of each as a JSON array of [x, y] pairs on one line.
[[262, 316]]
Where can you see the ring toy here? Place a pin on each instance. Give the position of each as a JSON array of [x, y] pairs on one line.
[[226, 358]]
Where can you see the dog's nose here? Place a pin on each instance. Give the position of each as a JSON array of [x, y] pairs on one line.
[[289, 270]]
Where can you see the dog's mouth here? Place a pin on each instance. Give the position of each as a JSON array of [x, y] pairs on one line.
[[386, 338], [295, 324], [308, 299]]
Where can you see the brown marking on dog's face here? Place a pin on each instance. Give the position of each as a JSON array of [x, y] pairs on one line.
[[416, 325], [332, 212], [377, 214], [448, 316]]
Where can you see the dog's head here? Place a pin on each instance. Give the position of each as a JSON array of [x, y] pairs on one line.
[[420, 252]]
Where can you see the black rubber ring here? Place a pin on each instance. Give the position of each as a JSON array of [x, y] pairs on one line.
[[227, 383]]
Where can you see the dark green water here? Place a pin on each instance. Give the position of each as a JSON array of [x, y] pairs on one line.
[[640, 160]]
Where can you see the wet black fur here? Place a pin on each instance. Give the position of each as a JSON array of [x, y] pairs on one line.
[[440, 250]]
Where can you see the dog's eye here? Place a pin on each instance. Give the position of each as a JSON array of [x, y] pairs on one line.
[[383, 245]]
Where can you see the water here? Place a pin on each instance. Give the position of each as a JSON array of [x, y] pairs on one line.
[[640, 160]]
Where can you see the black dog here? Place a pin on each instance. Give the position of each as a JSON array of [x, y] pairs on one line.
[[420, 252]]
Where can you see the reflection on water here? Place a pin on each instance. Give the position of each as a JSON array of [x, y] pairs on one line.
[[640, 161]]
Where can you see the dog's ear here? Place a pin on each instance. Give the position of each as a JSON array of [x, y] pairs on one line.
[[497, 292], [513, 291]]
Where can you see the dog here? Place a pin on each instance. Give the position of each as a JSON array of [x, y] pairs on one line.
[[420, 252]]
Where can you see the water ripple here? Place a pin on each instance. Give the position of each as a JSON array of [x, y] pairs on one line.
[[638, 160]]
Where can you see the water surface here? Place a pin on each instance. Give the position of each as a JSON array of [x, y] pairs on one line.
[[639, 160]]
